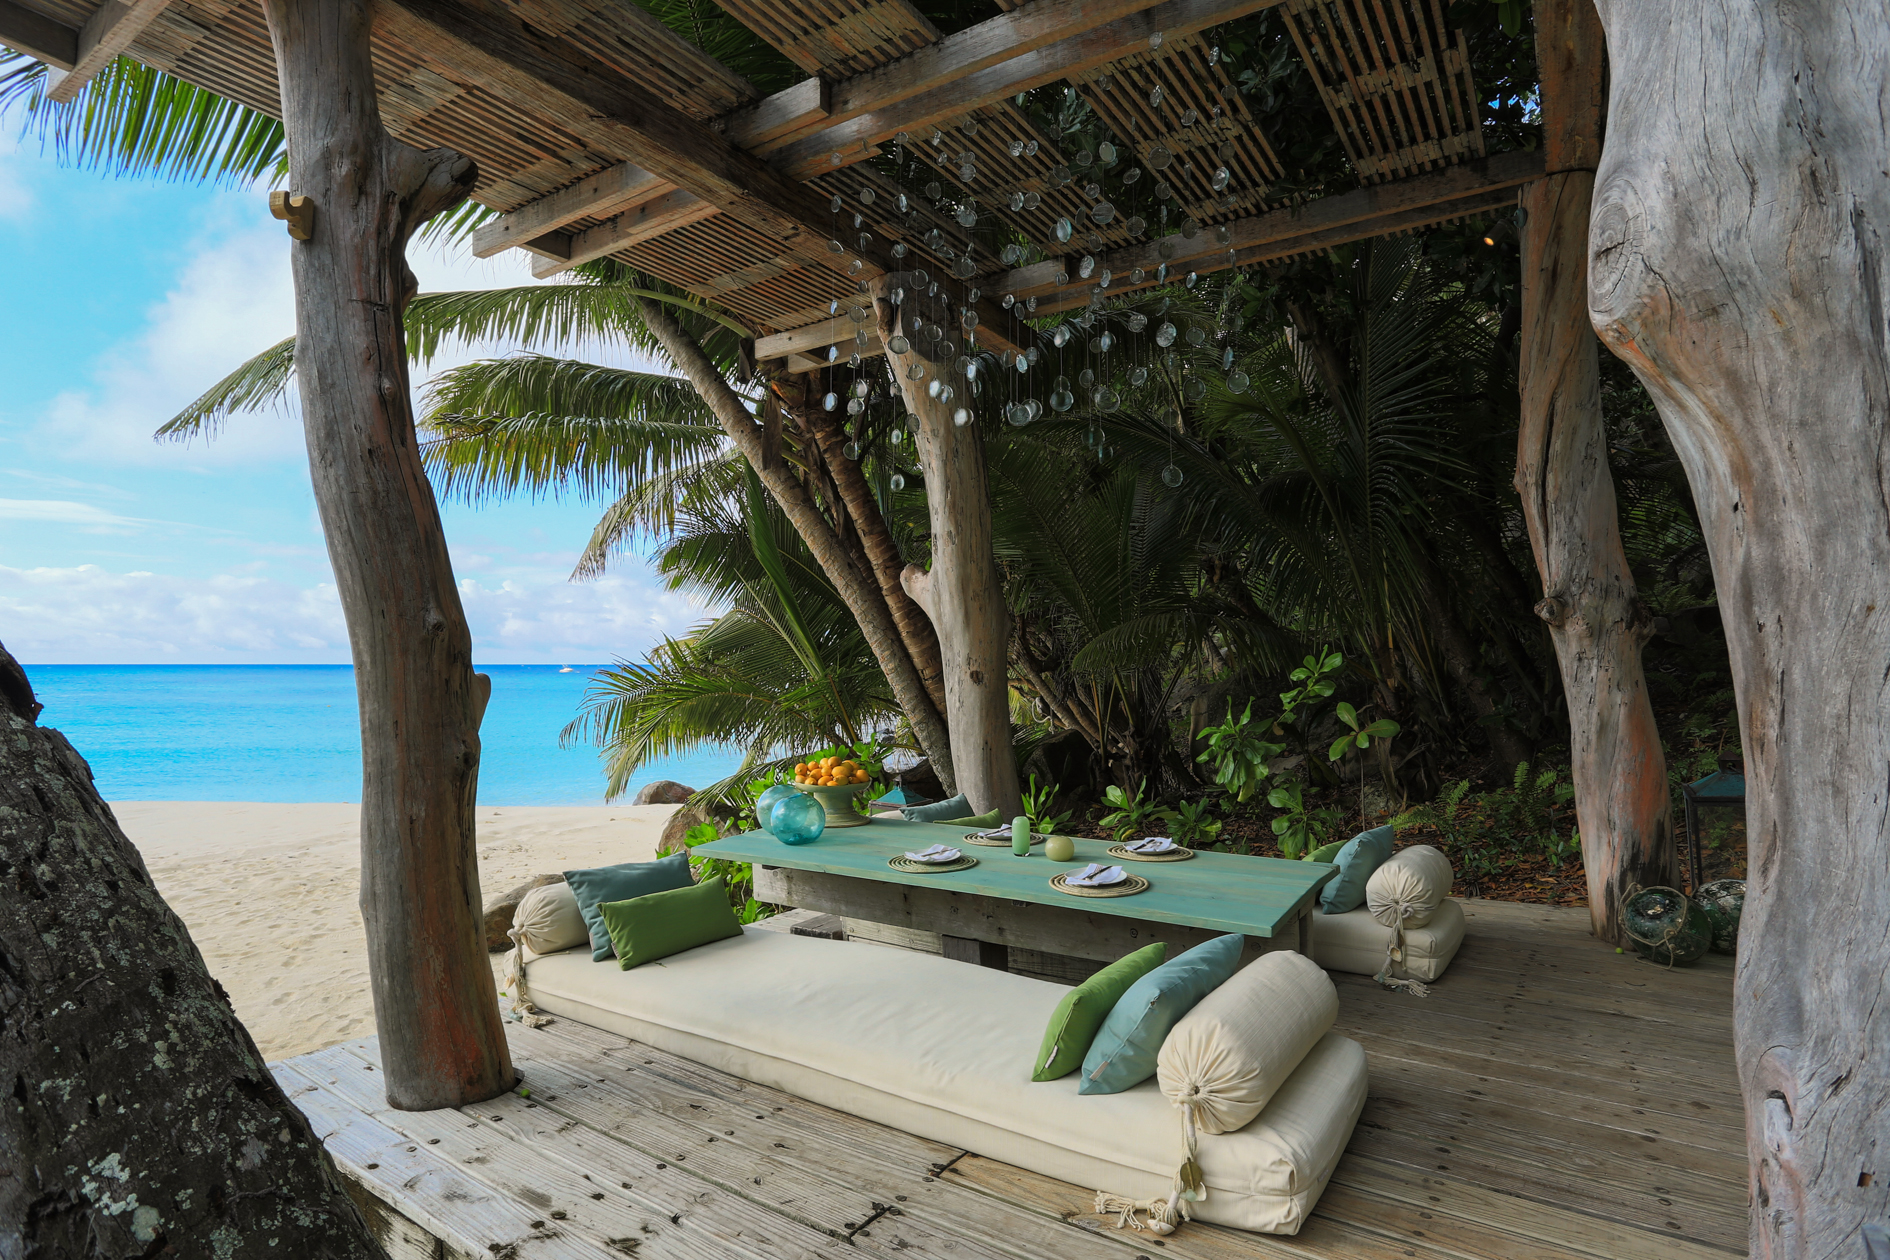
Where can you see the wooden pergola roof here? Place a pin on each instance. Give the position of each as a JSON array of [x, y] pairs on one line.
[[601, 133]]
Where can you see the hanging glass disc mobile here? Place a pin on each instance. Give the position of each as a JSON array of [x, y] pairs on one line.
[[1171, 476], [897, 481], [1061, 399], [1018, 414], [830, 401], [1165, 335], [961, 417], [1237, 382]]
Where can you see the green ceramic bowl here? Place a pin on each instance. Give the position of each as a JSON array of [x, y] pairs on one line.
[[838, 802]]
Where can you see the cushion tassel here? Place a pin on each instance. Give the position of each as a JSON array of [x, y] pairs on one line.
[[1394, 954], [522, 1008]]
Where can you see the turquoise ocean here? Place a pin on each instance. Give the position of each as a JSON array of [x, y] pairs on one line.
[[291, 733]]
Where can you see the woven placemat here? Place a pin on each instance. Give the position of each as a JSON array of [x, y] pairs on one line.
[[1127, 888], [1127, 854], [994, 843], [902, 863]]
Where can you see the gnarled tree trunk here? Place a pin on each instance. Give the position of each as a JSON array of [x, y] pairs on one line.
[[1738, 265], [139, 1118], [1599, 626], [857, 588], [435, 1006], [961, 593]]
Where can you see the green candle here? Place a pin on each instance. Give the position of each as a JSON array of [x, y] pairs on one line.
[[1020, 836]]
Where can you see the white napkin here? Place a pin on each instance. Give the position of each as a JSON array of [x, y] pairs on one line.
[[1153, 844], [938, 854], [1097, 876], [996, 833]]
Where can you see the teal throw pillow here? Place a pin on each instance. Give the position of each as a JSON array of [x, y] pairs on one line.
[[1124, 1052], [937, 811], [644, 929], [593, 888], [1362, 854]]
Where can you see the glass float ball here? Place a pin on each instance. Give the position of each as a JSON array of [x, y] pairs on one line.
[[1171, 476], [961, 417], [1165, 335], [1018, 414], [797, 820], [897, 481], [765, 803], [1237, 382]]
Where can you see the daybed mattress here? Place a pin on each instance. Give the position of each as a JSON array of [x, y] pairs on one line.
[[1356, 942], [943, 1050]]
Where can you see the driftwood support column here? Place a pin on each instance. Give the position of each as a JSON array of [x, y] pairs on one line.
[[435, 1006], [1596, 619], [1739, 264], [961, 593]]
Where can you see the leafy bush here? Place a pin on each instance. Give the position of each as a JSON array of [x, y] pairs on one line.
[[1195, 826], [1038, 802]]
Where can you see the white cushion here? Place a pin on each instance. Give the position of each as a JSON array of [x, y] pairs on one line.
[[1415, 882], [1228, 1055], [547, 920], [943, 1050], [1356, 942]]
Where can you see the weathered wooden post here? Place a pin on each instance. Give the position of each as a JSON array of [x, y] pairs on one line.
[[435, 1007], [961, 593], [1599, 626], [1737, 263]]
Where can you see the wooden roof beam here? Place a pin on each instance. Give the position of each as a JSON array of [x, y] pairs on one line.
[[813, 116], [932, 91], [1471, 188], [39, 36], [654, 217], [486, 44], [106, 34]]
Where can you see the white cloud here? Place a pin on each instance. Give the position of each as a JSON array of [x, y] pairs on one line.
[[64, 512], [90, 615], [16, 199]]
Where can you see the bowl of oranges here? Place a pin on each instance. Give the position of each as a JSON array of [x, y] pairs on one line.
[[834, 781]]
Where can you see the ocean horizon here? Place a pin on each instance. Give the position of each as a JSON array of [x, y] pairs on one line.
[[291, 734]]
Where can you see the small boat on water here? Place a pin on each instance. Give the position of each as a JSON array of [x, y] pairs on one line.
[[566, 669]]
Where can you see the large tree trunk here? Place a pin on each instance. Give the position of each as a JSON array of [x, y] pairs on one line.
[[858, 589], [961, 594], [1739, 267], [140, 1118], [1598, 623], [435, 1006], [876, 540]]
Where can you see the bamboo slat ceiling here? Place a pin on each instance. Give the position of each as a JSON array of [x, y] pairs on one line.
[[1188, 162]]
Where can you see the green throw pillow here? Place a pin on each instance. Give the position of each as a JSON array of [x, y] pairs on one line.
[[1124, 1052], [1327, 852], [1360, 856], [594, 887], [937, 811], [1074, 1023], [979, 821], [644, 929]]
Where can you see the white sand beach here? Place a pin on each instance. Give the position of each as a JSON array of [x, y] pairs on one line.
[[269, 894]]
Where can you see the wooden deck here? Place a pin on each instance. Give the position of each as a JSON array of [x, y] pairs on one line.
[[1550, 1099]]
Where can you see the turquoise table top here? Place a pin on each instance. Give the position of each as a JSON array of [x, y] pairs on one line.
[[1218, 891]]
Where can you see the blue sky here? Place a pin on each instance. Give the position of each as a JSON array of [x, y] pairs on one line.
[[124, 299]]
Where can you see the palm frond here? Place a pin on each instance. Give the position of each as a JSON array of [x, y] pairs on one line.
[[262, 381]]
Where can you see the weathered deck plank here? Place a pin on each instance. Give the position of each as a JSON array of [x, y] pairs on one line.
[[1551, 1099]]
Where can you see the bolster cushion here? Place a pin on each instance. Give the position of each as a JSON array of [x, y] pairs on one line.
[[1414, 882], [547, 920], [1228, 1055]]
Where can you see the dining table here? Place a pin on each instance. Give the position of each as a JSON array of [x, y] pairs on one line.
[[1007, 901]]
